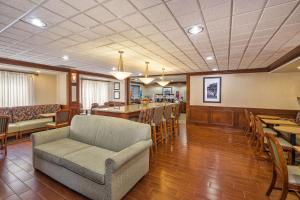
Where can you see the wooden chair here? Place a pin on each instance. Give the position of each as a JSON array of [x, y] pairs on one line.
[[62, 119], [252, 128], [290, 175], [146, 116], [175, 118], [4, 119], [168, 121], [157, 125], [247, 129]]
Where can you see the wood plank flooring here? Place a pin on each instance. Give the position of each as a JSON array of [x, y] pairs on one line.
[[201, 163]]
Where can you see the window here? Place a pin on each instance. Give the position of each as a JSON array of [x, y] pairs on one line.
[[16, 89], [93, 91]]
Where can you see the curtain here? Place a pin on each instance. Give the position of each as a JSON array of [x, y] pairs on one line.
[[16, 89], [93, 92]]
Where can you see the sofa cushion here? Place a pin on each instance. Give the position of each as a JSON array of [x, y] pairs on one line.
[[33, 124], [110, 133], [13, 128], [88, 162], [54, 151]]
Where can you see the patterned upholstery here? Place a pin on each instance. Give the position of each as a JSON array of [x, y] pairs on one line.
[[298, 118], [23, 113], [6, 111], [157, 116]]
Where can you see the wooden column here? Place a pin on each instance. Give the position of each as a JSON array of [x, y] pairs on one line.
[[127, 91], [188, 89], [73, 93]]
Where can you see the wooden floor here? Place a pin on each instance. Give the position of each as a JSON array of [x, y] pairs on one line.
[[201, 163]]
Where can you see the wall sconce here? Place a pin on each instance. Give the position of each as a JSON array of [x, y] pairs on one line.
[[74, 78]]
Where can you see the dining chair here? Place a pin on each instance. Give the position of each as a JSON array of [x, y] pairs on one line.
[[168, 121], [175, 118], [247, 129], [290, 174], [157, 125], [252, 128], [4, 119], [145, 116], [262, 145], [62, 118]]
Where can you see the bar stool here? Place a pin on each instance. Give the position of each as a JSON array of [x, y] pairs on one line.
[[157, 125], [146, 116], [168, 121], [175, 118], [3, 131]]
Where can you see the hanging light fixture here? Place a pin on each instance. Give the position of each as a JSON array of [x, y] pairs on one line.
[[120, 73], [163, 83], [146, 79]]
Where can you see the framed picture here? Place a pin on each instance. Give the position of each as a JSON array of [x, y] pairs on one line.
[[212, 89], [167, 90], [116, 94], [116, 85]]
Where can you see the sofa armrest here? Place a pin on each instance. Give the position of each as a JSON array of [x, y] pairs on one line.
[[116, 161], [49, 136]]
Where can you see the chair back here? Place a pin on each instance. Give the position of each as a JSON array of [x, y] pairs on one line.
[[62, 117], [168, 112], [177, 111], [246, 112], [4, 119], [158, 115], [146, 116], [298, 118], [277, 156], [94, 105], [252, 122], [259, 130]]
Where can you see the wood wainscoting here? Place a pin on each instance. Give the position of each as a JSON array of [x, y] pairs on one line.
[[230, 116]]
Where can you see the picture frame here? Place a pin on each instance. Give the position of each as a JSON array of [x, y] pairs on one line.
[[167, 90], [116, 94], [116, 85], [212, 87]]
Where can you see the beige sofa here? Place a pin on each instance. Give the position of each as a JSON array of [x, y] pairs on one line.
[[97, 156]]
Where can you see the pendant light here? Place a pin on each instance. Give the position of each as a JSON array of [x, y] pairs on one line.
[[120, 74], [146, 79], [163, 83]]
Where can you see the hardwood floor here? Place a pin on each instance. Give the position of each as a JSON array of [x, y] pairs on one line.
[[201, 163]]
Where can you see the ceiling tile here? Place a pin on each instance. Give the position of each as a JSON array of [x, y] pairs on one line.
[[167, 25], [147, 30], [60, 8], [120, 11], [101, 14], [157, 13], [102, 30], [242, 6], [118, 26], [23, 5], [217, 12], [141, 4], [84, 20], [131, 34], [136, 20], [71, 26], [9, 11], [47, 16], [82, 5]]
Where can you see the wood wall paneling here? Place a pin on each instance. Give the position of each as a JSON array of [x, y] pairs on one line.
[[230, 116]]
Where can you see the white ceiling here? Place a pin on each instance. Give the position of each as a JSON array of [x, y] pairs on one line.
[[239, 34]]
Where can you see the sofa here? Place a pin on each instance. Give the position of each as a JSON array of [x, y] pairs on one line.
[[26, 119], [100, 157]]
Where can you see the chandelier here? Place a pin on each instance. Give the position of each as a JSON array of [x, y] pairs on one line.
[[146, 79], [120, 73], [162, 82]]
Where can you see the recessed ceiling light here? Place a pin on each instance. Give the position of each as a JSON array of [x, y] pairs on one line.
[[195, 29], [36, 22], [215, 69], [65, 57], [140, 74], [114, 69], [209, 58], [38, 71]]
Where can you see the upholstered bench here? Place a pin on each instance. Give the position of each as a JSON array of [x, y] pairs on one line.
[[26, 119]]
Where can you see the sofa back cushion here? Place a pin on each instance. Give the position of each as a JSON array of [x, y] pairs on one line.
[[109, 133], [6, 111], [23, 113]]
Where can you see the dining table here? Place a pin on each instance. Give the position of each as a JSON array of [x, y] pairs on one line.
[[276, 122], [48, 115], [268, 117]]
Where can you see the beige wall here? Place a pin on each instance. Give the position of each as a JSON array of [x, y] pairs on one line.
[[256, 90], [45, 89]]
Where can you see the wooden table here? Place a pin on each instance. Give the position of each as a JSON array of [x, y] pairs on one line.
[[267, 117], [274, 122], [48, 115], [293, 131], [127, 111]]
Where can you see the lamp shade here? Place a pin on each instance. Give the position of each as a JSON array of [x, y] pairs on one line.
[[120, 74], [146, 80], [163, 83]]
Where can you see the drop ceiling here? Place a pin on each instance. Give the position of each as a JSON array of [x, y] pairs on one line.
[[239, 34]]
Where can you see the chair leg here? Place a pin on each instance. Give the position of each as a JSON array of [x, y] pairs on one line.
[[154, 135], [273, 182], [162, 131], [5, 145]]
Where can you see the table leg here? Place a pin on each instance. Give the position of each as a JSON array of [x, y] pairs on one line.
[[293, 142]]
